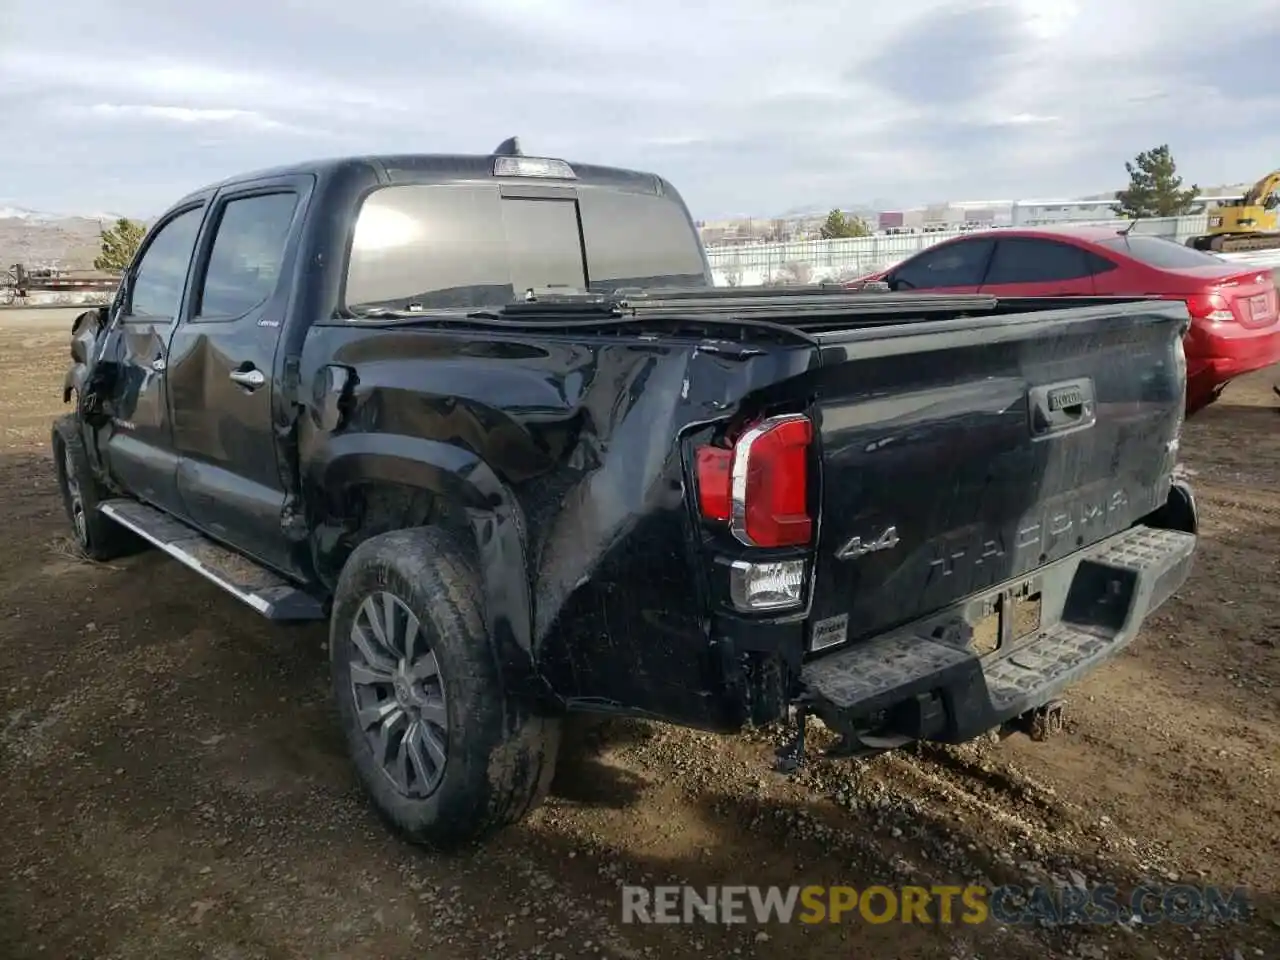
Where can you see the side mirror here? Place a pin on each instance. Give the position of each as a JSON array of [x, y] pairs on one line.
[[84, 332]]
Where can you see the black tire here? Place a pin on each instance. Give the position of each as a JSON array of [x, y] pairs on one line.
[[499, 756], [98, 537]]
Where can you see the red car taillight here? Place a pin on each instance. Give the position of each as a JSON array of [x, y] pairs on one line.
[[1210, 306], [761, 485], [714, 466]]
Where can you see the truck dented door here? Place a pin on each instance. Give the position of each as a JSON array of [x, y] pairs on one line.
[[137, 440], [223, 371]]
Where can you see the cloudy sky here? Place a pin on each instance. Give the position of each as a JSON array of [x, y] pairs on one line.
[[749, 107]]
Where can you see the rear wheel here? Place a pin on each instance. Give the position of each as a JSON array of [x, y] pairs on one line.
[[444, 752], [97, 536]]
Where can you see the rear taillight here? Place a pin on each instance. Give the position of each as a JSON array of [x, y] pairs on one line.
[[715, 484], [761, 486], [1210, 306]]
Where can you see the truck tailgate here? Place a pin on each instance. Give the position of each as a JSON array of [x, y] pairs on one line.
[[959, 454]]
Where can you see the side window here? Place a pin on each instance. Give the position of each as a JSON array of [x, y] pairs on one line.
[[1098, 264], [247, 253], [1024, 260], [162, 272], [950, 265]]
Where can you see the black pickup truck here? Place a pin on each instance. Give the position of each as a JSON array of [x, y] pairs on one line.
[[488, 417]]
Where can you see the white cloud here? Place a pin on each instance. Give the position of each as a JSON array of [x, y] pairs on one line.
[[194, 82], [246, 120], [751, 107], [1021, 119]]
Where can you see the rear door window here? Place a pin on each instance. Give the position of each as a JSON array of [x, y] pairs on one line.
[[960, 264], [248, 250], [1028, 260]]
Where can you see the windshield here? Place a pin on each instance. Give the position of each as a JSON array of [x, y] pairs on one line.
[[1159, 252], [470, 246]]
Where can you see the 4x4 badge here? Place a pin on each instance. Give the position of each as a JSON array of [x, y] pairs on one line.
[[858, 548]]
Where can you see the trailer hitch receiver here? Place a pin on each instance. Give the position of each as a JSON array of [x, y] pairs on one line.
[[1045, 721]]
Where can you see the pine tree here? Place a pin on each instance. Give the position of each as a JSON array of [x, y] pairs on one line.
[[119, 244], [838, 226], [1155, 189]]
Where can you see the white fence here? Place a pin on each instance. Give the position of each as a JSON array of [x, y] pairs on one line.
[[814, 260]]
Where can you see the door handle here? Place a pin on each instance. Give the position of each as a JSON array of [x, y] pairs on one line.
[[252, 379], [1061, 407]]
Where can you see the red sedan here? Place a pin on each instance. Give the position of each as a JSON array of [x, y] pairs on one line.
[[1235, 317]]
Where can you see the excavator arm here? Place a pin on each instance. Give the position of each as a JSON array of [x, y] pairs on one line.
[[1264, 193]]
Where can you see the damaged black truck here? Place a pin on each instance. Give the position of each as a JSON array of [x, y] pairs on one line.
[[488, 417]]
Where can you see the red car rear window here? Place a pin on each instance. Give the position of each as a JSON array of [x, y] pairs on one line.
[[1162, 253]]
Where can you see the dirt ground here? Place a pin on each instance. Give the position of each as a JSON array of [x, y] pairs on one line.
[[174, 785]]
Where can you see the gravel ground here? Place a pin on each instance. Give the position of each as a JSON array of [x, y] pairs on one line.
[[174, 785]]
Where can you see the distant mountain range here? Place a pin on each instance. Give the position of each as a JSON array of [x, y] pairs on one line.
[[40, 216], [38, 239]]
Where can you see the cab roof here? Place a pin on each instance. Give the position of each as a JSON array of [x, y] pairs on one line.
[[436, 167]]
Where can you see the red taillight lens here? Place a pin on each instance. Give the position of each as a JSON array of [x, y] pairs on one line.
[[761, 486], [1210, 306], [714, 483]]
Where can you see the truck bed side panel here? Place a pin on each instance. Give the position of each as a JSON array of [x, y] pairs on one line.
[[578, 440]]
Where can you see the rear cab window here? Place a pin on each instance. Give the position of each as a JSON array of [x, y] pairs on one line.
[[470, 246]]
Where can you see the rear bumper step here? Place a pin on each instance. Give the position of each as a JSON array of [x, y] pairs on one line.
[[271, 595], [926, 681]]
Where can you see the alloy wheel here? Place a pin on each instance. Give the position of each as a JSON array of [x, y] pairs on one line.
[[399, 695], [75, 499]]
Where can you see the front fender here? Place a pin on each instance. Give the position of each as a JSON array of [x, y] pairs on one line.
[[85, 331]]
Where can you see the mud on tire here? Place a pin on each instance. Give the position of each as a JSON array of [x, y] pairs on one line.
[[445, 754], [97, 536]]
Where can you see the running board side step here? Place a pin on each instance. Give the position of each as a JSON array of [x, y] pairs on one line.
[[266, 592]]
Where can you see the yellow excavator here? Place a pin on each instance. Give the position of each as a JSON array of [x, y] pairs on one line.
[[1250, 223]]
